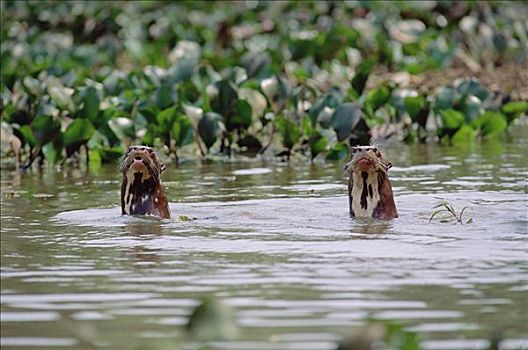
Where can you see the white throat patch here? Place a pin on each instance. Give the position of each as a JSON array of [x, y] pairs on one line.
[[364, 205], [128, 196]]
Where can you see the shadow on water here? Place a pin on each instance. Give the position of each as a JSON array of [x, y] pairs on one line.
[[275, 242]]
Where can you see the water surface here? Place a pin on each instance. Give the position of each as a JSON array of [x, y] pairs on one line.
[[275, 242]]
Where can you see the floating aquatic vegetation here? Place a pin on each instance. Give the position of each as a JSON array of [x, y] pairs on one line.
[[451, 214], [281, 79]]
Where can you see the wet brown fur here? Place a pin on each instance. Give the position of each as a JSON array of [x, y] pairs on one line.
[[141, 189], [375, 176]]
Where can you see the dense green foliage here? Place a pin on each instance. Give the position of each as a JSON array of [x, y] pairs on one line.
[[247, 77]]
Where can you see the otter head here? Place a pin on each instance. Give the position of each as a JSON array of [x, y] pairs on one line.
[[367, 159], [369, 187], [141, 161], [141, 189]]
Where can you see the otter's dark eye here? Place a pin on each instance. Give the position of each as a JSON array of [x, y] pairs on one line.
[[150, 150], [375, 150], [354, 150]]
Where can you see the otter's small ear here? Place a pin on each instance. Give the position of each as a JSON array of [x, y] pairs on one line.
[[163, 167]]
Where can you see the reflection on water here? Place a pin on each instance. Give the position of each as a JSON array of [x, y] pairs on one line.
[[275, 242]]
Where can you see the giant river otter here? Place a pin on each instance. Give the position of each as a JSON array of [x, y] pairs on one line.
[[141, 189], [369, 187]]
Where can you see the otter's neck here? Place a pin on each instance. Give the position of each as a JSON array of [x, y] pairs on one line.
[[143, 196], [365, 193]]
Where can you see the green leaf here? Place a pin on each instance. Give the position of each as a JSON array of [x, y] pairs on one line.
[[513, 110], [473, 87], [242, 116], [338, 152], [413, 105], [418, 109], [182, 131], [283, 89], [256, 63], [345, 119], [122, 127], [397, 100], [472, 108], [452, 119], [316, 108], [306, 126], [363, 71], [461, 213], [111, 155], [98, 140], [33, 86], [407, 31], [209, 128], [91, 104], [515, 107], [301, 47], [62, 97], [28, 135], [444, 99], [181, 72], [317, 143], [491, 123], [184, 57], [466, 134], [331, 99], [256, 100], [288, 130], [148, 111], [45, 128], [437, 212], [443, 204], [377, 97], [114, 82], [95, 159], [53, 150], [184, 218], [166, 118], [79, 131], [164, 96], [150, 135], [187, 91], [227, 97]]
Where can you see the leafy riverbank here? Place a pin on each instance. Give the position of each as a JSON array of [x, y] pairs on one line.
[[272, 78]]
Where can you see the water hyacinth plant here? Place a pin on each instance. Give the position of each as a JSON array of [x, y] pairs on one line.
[[273, 78]]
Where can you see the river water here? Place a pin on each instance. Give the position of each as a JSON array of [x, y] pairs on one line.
[[274, 242]]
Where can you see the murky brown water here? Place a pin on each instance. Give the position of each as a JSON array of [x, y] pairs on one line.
[[275, 242]]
